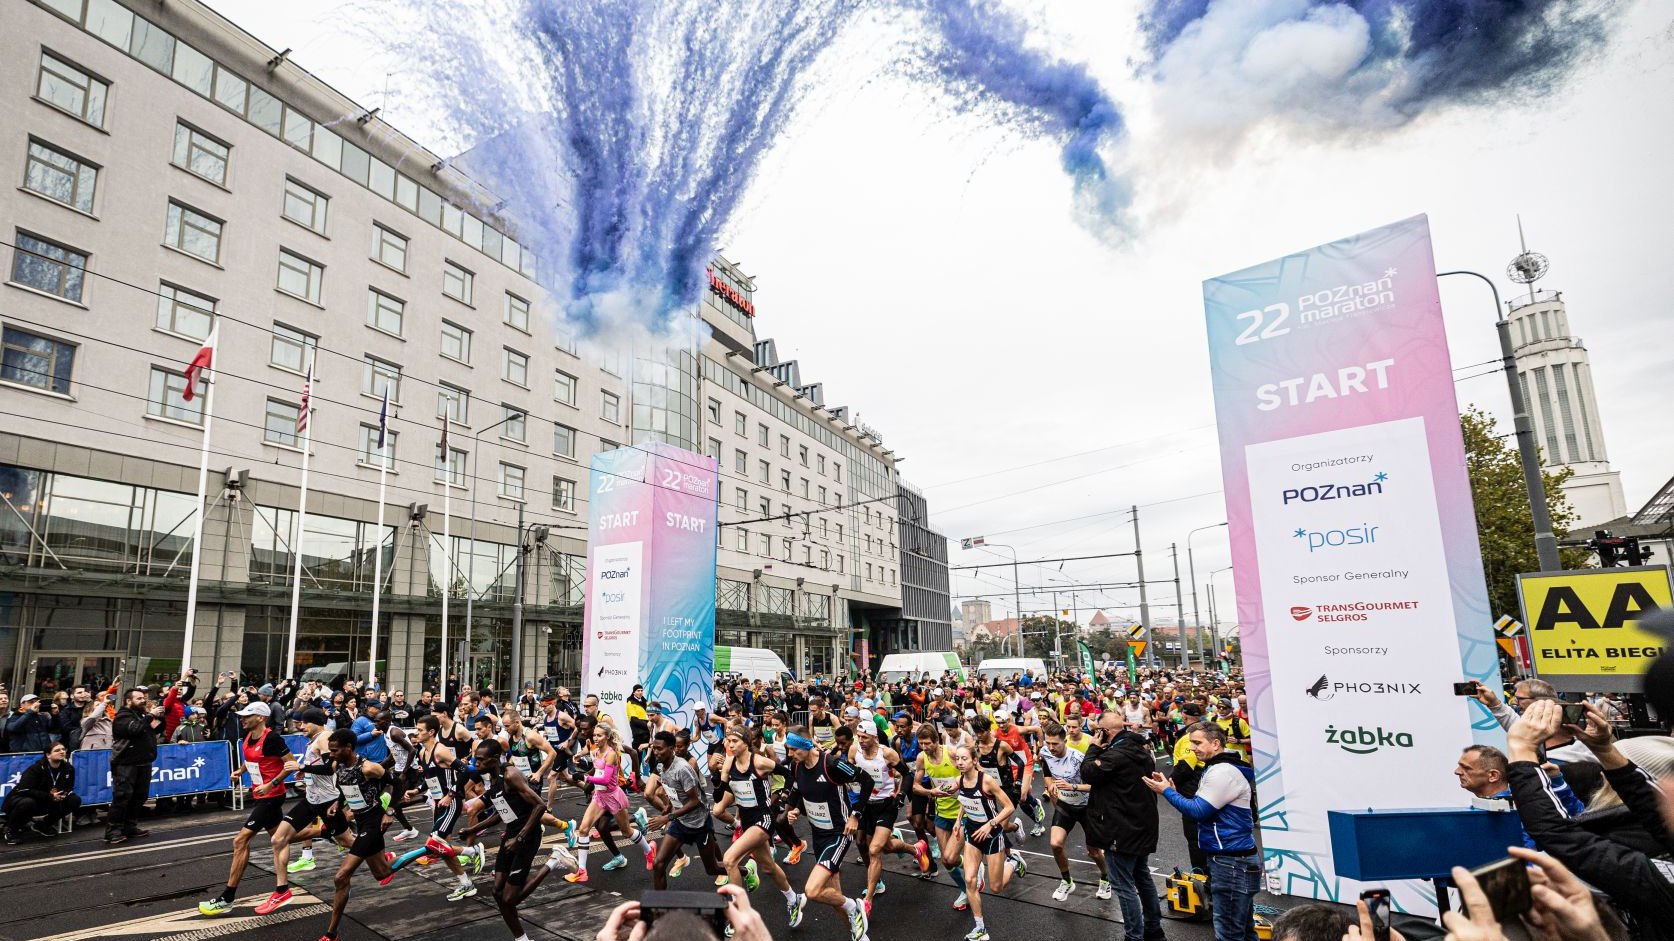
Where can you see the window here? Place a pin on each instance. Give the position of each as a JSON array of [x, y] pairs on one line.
[[454, 471], [181, 312], [802, 454], [60, 177], [761, 435], [70, 89], [740, 424], [784, 446], [517, 313], [305, 206], [804, 481], [300, 277], [868, 571], [516, 423], [48, 266], [764, 472], [516, 369], [784, 514], [378, 374], [511, 481], [292, 349], [715, 411], [610, 407], [166, 398], [825, 559], [714, 449], [784, 481], [38, 362], [453, 403], [389, 248], [766, 506], [824, 526], [839, 532], [607, 445], [566, 340], [384, 312], [563, 494], [822, 496], [279, 427], [370, 456], [767, 545], [458, 283], [200, 155], [563, 387], [740, 462], [456, 342], [741, 540], [741, 498], [563, 440], [785, 549], [837, 471]]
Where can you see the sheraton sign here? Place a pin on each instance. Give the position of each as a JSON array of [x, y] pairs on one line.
[[730, 294]]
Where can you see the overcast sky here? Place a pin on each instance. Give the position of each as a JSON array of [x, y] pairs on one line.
[[928, 269]]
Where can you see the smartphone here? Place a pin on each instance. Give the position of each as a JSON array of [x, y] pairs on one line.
[[1506, 883], [1377, 902], [1467, 688], [707, 906], [1575, 714]]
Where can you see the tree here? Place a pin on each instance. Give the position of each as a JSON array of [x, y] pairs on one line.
[[1504, 525]]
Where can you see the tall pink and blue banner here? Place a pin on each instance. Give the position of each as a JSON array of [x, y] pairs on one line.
[[650, 616], [1361, 598]]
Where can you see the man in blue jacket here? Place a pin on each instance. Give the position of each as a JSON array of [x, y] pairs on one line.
[[1225, 830], [369, 742]]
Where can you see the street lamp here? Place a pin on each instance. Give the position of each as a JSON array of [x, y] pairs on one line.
[[470, 592], [1016, 585], [1214, 615], [1190, 567], [1546, 544]]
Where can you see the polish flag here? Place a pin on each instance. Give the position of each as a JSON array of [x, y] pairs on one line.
[[200, 362]]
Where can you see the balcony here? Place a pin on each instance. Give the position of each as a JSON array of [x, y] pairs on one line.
[[1539, 297]]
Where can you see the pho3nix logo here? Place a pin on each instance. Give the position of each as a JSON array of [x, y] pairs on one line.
[[1317, 493], [1324, 690], [1363, 741]]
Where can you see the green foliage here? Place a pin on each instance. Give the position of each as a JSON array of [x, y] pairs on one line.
[[1504, 524]]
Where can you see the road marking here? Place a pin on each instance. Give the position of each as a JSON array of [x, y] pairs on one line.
[[191, 926], [108, 853]]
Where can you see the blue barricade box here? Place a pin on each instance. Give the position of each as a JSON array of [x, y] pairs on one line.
[[1418, 843], [195, 768]]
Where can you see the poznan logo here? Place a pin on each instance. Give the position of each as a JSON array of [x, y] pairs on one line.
[[1363, 741], [1318, 493]]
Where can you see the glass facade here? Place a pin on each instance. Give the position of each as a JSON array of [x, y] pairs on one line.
[[665, 397]]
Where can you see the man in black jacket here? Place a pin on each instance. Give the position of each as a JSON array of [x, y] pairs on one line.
[[45, 789], [1642, 886], [1122, 818], [133, 748]]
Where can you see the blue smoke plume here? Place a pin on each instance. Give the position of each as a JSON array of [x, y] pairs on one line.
[[621, 134]]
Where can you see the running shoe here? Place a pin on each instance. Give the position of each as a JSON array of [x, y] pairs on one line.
[[383, 799], [677, 867], [426, 860], [1022, 867], [215, 906], [615, 862], [751, 879], [1037, 830], [866, 904], [569, 833], [921, 855], [794, 909], [962, 902], [1104, 891], [302, 864], [650, 855], [404, 836], [880, 889], [857, 924], [579, 877], [641, 820], [1039, 813], [476, 862], [978, 934], [721, 880], [795, 855], [1062, 892], [387, 879], [463, 890]]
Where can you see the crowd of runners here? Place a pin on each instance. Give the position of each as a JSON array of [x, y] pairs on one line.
[[939, 773]]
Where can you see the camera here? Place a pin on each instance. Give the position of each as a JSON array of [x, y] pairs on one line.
[[707, 906]]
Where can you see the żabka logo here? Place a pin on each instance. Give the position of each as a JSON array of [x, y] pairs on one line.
[[1317, 493], [1363, 741]]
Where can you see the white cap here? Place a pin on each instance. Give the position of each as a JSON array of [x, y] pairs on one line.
[[1002, 714], [850, 712], [26, 697], [256, 709], [935, 694]]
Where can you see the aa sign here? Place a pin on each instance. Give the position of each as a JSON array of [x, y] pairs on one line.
[[1585, 624]]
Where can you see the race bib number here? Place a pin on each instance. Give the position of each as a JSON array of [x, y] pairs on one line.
[[1072, 798], [521, 763], [820, 815], [743, 793], [503, 808], [434, 788], [825, 734], [973, 808], [353, 797], [551, 733], [255, 773], [991, 773]]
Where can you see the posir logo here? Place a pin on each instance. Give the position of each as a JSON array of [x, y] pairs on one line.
[[1324, 540], [1363, 741], [1324, 690], [1318, 493]]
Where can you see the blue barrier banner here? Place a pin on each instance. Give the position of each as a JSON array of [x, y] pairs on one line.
[[193, 768]]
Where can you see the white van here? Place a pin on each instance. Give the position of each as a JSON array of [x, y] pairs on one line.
[[752, 663], [1004, 667], [900, 667]]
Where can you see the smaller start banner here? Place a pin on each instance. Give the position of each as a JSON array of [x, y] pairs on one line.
[[193, 768]]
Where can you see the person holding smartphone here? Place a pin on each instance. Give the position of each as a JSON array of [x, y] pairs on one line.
[[1225, 829]]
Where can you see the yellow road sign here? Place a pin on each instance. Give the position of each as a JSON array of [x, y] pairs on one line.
[[1585, 623]]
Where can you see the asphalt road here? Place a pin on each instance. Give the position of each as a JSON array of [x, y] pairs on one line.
[[75, 888]]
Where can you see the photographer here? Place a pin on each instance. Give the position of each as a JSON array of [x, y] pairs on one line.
[[629, 920], [45, 789], [1640, 885], [1122, 819], [28, 729], [134, 732]]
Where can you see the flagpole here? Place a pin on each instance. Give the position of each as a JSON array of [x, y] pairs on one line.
[[301, 521], [203, 495], [447, 557], [378, 558]]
